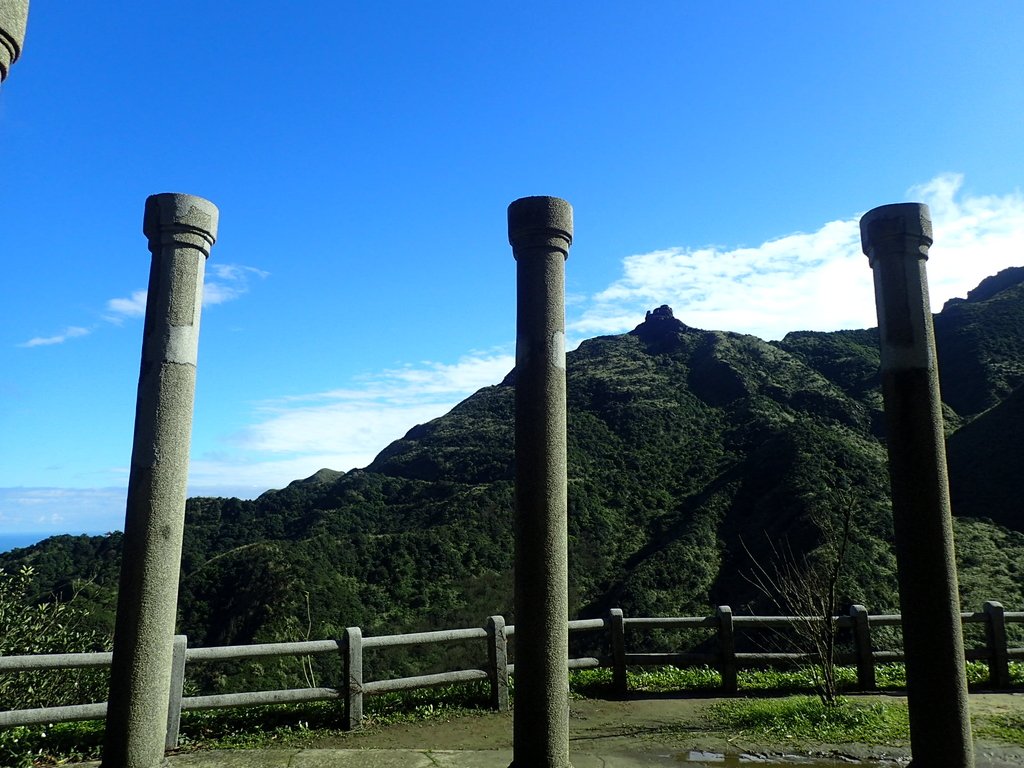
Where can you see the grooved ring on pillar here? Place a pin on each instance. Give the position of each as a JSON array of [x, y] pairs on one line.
[[886, 228], [540, 222], [185, 219], [13, 19], [896, 239]]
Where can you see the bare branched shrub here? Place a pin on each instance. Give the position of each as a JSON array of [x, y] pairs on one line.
[[806, 586]]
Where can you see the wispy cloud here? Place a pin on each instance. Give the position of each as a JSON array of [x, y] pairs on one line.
[[296, 435], [133, 306], [71, 332], [359, 421], [818, 280], [223, 283], [62, 510], [975, 235], [229, 282]]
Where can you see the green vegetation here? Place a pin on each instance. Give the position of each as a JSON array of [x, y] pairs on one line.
[[809, 718], [691, 454], [278, 725], [27, 746], [597, 683], [773, 720], [48, 626], [1005, 727], [686, 448]]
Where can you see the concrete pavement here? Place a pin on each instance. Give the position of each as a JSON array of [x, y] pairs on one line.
[[395, 758]]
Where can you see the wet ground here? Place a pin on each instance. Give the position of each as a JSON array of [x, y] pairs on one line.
[[643, 731], [666, 728]]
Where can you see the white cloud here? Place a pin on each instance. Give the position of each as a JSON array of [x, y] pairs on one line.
[[133, 306], [230, 281], [345, 428], [72, 332], [223, 283], [818, 280], [236, 272], [975, 236]]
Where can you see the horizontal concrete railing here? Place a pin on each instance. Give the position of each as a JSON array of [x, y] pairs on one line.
[[351, 646]]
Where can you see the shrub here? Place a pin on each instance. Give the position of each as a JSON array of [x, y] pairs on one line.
[[30, 626]]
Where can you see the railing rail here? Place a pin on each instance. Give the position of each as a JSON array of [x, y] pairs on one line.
[[497, 669]]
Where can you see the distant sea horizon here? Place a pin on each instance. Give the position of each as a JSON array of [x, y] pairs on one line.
[[9, 541]]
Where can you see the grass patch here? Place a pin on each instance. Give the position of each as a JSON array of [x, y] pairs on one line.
[[798, 717], [25, 746], [792, 679], [288, 724], [895, 675], [598, 682], [806, 718], [279, 725], [662, 679], [1005, 727]]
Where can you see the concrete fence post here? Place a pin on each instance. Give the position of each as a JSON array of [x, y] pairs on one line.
[[497, 660], [862, 648], [181, 230], [998, 657], [13, 19], [540, 232], [896, 239], [352, 671], [727, 649], [177, 691], [617, 643]]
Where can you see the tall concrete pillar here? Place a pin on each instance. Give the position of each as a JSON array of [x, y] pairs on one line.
[[896, 239], [540, 231], [13, 18], [181, 230]]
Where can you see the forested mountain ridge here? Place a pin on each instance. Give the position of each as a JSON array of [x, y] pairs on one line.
[[690, 452]]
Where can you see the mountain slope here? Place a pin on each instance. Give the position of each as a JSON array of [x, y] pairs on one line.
[[691, 453]]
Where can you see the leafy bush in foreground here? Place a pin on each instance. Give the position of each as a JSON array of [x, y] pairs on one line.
[[30, 626]]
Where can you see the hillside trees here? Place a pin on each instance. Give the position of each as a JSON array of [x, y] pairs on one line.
[[31, 626]]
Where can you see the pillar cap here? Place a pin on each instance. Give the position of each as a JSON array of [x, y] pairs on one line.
[[540, 222], [13, 18], [896, 221], [169, 213]]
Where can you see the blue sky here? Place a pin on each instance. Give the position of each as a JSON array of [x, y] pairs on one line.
[[362, 156]]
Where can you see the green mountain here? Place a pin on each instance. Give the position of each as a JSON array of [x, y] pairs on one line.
[[693, 454]]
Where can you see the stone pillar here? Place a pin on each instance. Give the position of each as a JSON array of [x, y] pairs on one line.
[[181, 230], [540, 231], [13, 17], [896, 239]]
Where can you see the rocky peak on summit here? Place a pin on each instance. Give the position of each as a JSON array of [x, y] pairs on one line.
[[659, 324], [664, 312]]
